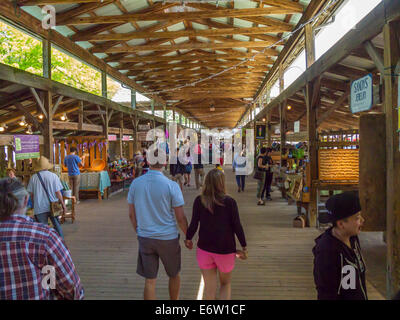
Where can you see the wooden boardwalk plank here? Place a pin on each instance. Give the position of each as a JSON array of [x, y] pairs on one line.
[[104, 250]]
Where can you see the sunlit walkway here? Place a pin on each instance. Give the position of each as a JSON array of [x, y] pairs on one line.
[[104, 249]]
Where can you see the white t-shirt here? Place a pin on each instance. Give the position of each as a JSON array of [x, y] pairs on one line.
[[40, 201]]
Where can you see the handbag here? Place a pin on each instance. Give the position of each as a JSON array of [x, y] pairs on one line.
[[259, 175], [55, 207]]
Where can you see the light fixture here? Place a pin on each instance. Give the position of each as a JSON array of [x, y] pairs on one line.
[[64, 117], [22, 123], [212, 108], [3, 127], [289, 107], [40, 116], [29, 130], [263, 119]]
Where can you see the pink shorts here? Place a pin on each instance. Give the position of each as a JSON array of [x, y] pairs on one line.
[[208, 260]]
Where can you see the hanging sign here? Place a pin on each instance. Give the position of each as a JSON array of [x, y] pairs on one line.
[[362, 96], [143, 127], [26, 147], [297, 126], [112, 137], [260, 132], [127, 138]]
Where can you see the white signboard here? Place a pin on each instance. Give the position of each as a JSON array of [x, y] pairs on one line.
[[143, 127], [297, 126], [362, 96]]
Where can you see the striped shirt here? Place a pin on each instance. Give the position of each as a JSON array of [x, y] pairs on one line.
[[30, 254]]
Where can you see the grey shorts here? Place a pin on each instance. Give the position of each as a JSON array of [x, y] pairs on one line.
[[151, 250]]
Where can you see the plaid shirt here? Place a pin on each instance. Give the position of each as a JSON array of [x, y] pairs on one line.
[[26, 247]]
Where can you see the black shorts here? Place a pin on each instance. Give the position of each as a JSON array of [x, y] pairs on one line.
[[152, 250]]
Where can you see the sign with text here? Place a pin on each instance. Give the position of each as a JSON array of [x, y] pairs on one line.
[[362, 96], [297, 126], [143, 127], [26, 147], [260, 131], [112, 137], [127, 138]]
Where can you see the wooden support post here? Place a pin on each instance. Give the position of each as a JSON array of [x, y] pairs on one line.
[[47, 126], [180, 119], [133, 99], [269, 129], [121, 134], [104, 84], [313, 100], [46, 47], [391, 105], [310, 45], [152, 107], [80, 116], [283, 128]]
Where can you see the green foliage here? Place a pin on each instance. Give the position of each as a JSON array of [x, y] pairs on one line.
[[19, 50], [74, 73]]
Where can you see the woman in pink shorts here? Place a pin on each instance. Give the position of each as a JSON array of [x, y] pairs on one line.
[[219, 220]]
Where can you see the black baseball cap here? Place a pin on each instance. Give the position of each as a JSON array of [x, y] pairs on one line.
[[340, 206]]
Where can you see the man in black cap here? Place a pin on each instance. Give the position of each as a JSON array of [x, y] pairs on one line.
[[339, 269]]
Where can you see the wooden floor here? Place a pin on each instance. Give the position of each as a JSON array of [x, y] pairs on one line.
[[104, 250]]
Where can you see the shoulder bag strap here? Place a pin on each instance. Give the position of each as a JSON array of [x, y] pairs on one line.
[[44, 187]]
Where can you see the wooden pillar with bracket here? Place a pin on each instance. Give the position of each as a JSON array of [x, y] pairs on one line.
[[47, 126], [392, 112], [104, 84], [80, 116], [312, 96], [282, 114], [46, 55], [269, 129], [121, 134]]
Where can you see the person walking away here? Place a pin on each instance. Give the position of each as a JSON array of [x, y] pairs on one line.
[[199, 169], [144, 164], [72, 162], [177, 170], [45, 187], [28, 249], [188, 168], [269, 174], [339, 268], [262, 167], [155, 209], [239, 167], [218, 216]]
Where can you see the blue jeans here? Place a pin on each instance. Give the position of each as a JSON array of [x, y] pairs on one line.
[[240, 180], [44, 218]]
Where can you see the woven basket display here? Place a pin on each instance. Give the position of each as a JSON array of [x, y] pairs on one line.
[[338, 165]]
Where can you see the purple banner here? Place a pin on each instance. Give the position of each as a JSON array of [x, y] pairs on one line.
[[26, 147]]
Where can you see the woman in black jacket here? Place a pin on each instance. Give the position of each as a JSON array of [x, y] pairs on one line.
[[218, 216], [339, 268]]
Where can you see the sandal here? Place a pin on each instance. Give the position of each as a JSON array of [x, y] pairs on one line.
[[261, 203]]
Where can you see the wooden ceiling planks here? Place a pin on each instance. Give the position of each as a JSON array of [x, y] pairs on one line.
[[207, 50]]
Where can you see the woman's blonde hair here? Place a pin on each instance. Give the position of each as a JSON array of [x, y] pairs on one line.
[[213, 190]]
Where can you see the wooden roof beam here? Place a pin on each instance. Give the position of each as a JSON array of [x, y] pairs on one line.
[[197, 45], [190, 15]]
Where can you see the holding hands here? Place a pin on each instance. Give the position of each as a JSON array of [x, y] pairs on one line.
[[189, 244]]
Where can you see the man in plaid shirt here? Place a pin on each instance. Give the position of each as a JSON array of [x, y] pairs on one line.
[[34, 261]]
